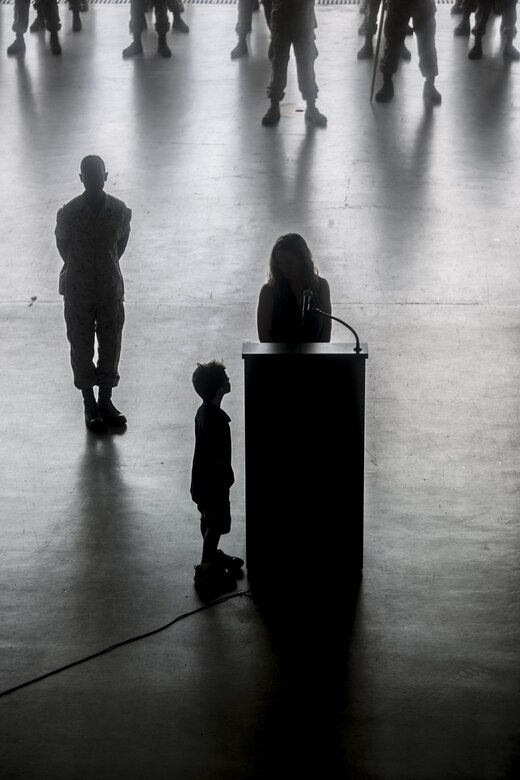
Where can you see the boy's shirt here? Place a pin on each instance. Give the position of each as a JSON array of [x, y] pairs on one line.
[[92, 270], [211, 474]]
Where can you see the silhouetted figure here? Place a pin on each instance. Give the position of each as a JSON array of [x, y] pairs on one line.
[[369, 29], [212, 477], [138, 9], [507, 9], [47, 16], [279, 313], [244, 24], [398, 16], [92, 232], [293, 23]]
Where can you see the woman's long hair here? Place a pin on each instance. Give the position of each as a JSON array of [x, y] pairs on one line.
[[296, 244]]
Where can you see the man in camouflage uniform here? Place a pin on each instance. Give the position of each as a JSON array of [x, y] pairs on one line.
[[244, 24], [138, 23], [398, 16], [50, 17], [507, 28], [92, 232], [293, 23]]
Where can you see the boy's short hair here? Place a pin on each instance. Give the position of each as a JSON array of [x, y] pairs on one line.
[[91, 160], [208, 378]]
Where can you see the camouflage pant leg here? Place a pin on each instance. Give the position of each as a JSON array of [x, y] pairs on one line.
[[305, 52], [484, 8], [110, 318], [21, 16], [509, 17], [51, 14], [424, 28], [279, 52], [80, 318], [267, 11], [162, 22], [245, 17], [137, 17], [371, 12], [396, 26]]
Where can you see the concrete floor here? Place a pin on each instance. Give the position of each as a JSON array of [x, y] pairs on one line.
[[413, 216]]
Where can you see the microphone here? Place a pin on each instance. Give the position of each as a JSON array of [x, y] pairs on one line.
[[307, 297]]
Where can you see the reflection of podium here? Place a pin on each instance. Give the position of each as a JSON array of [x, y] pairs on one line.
[[304, 448]]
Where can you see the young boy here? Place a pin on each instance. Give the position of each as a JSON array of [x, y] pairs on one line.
[[92, 232], [212, 476]]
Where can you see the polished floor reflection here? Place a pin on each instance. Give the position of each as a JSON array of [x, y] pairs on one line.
[[413, 217]]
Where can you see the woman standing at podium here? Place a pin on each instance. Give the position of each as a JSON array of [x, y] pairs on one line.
[[280, 313]]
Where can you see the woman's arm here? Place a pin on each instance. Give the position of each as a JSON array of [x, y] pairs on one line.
[[264, 313]]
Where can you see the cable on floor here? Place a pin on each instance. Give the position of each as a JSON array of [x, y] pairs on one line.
[[129, 641]]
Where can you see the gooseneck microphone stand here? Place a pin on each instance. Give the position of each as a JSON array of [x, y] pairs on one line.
[[357, 348]]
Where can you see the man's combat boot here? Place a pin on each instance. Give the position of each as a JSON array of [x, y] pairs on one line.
[[55, 43], [136, 47], [475, 53], [510, 52], [162, 47], [17, 46], [386, 92], [366, 52], [431, 93], [240, 49], [314, 116], [39, 22], [272, 115], [76, 21]]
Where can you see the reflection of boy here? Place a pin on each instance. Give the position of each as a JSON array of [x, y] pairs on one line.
[[212, 476], [92, 232]]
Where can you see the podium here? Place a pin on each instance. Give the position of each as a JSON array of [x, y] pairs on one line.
[[304, 461]]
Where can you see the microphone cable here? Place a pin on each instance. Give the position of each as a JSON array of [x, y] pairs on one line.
[[129, 641]]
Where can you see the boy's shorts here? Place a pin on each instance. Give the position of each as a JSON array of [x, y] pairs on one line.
[[216, 518]]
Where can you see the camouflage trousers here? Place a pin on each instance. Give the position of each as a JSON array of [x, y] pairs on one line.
[[138, 19], [85, 322], [484, 8], [245, 15], [48, 9], [296, 31], [398, 17]]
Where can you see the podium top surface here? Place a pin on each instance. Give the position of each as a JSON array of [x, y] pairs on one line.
[[314, 348]]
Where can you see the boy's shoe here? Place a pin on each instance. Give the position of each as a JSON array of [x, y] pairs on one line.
[[228, 561], [110, 415], [214, 578], [95, 423]]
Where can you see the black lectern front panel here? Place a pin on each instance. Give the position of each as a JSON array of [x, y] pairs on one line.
[[304, 433]]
